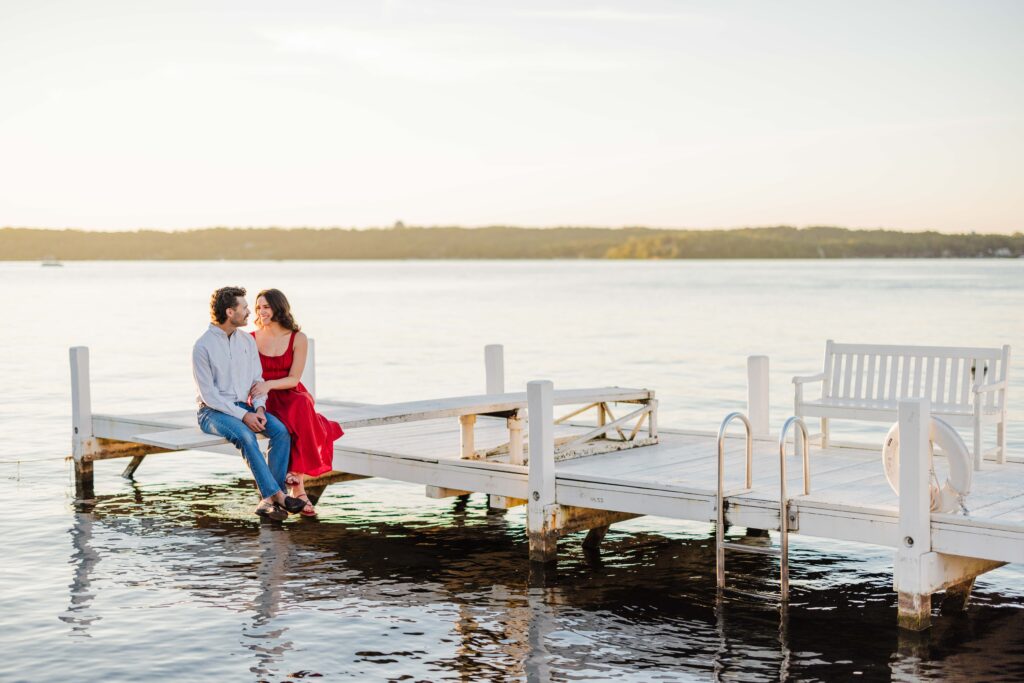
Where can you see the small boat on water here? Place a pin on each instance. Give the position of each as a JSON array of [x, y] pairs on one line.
[[52, 262]]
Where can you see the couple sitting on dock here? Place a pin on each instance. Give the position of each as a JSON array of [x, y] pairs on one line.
[[248, 384]]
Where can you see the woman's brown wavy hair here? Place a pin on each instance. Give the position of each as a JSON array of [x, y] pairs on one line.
[[281, 308]]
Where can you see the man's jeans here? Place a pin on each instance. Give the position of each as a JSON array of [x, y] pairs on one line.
[[270, 473]]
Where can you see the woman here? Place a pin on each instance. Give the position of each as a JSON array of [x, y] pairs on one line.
[[283, 351]]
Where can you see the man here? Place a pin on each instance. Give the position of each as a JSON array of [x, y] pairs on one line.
[[225, 364]]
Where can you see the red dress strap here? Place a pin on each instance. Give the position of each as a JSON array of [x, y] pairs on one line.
[[291, 341]]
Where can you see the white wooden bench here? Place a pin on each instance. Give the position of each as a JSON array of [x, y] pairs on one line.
[[966, 387]]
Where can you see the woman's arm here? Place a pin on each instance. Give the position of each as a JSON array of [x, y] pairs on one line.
[[299, 351]]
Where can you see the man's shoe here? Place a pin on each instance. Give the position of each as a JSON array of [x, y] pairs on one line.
[[294, 505], [272, 512]]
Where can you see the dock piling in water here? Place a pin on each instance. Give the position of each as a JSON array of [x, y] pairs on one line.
[[82, 440], [541, 505]]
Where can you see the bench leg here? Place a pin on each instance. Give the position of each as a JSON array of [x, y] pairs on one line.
[[1001, 440], [978, 455]]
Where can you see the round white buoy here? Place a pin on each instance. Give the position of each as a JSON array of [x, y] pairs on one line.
[[950, 495]]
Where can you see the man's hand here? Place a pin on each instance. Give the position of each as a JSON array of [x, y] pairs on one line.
[[261, 416], [254, 422]]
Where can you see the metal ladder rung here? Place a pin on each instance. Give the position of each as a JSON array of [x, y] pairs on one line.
[[760, 550], [760, 595]]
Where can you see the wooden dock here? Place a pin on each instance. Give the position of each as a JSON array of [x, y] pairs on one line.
[[589, 469]]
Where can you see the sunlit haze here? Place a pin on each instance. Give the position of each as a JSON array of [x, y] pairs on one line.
[[121, 115]]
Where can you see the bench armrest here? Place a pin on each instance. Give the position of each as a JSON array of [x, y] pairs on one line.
[[820, 377], [992, 386]]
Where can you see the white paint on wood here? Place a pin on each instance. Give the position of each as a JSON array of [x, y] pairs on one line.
[[757, 395], [308, 378], [442, 492], [910, 577], [540, 397], [494, 366], [81, 402], [468, 445], [515, 440]]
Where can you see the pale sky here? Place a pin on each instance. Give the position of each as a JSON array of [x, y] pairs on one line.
[[121, 115]]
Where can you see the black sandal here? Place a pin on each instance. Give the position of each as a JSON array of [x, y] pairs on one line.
[[294, 505], [274, 512]]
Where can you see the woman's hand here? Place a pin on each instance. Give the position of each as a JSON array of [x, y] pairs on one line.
[[259, 389]]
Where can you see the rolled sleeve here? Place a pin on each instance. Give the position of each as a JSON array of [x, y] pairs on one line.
[[202, 372]]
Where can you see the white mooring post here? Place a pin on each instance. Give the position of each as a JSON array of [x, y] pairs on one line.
[[541, 506], [82, 440], [921, 572], [757, 396], [915, 600], [494, 367], [308, 378]]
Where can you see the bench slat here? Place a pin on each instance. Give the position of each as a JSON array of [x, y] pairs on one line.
[[897, 349]]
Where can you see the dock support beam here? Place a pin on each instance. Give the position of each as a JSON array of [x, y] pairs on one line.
[[541, 508], [83, 443]]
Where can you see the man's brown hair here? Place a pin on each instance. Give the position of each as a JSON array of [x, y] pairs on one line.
[[223, 299]]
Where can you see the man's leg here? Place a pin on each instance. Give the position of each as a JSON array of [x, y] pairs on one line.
[[279, 454], [234, 430]]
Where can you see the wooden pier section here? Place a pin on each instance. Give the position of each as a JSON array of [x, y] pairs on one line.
[[583, 469]]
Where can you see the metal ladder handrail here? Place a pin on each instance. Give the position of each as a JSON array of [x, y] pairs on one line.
[[720, 526], [783, 500], [783, 550]]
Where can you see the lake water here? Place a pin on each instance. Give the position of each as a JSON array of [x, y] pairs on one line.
[[170, 577]]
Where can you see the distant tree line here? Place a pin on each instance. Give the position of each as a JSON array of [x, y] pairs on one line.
[[499, 242]]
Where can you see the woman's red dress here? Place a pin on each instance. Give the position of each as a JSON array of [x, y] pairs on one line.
[[313, 435]]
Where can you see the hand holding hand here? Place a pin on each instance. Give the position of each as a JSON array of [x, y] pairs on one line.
[[261, 418], [253, 422], [259, 389]]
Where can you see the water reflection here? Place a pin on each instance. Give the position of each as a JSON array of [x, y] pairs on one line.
[[265, 639], [84, 559], [390, 591]]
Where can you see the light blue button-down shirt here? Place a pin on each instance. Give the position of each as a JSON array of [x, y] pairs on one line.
[[225, 368]]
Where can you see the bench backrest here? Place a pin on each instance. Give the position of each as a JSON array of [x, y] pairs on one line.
[[944, 375]]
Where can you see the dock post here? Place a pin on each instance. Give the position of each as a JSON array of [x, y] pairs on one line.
[[494, 367], [541, 508], [308, 378], [83, 443], [915, 600], [757, 397]]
